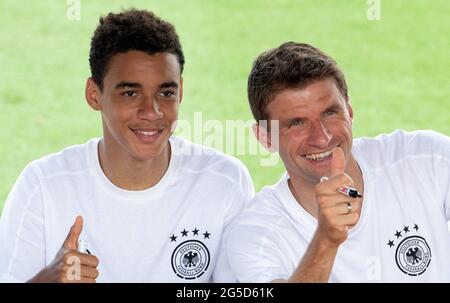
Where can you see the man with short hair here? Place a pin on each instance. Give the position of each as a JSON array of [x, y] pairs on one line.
[[363, 210], [149, 206]]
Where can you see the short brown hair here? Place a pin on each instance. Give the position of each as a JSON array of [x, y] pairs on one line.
[[287, 66]]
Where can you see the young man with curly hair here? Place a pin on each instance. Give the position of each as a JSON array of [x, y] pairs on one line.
[[138, 204]]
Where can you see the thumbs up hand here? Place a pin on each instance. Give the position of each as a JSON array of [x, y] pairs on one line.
[[69, 265], [335, 209]]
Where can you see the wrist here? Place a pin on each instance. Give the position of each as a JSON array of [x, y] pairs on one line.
[[325, 244], [38, 278]]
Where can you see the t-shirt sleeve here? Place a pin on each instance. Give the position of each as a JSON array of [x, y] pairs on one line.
[[441, 156], [428, 153], [240, 199], [22, 247], [253, 257], [243, 194]]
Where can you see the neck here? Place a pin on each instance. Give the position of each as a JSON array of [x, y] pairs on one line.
[[304, 190], [130, 173]]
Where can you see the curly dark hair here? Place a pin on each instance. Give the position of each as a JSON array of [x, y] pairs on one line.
[[131, 29], [287, 66]]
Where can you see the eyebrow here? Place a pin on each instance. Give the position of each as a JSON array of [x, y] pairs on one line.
[[127, 84], [124, 84], [171, 84], [334, 107]]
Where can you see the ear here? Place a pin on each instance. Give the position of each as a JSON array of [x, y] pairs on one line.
[[350, 110], [181, 89], [263, 136], [93, 93]]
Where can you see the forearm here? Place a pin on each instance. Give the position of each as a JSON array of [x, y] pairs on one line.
[[317, 263]]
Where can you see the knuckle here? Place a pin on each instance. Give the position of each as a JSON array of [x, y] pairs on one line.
[[64, 269], [346, 179], [340, 178], [343, 231], [317, 187], [327, 213], [333, 223], [95, 260], [323, 200], [69, 258], [68, 255]]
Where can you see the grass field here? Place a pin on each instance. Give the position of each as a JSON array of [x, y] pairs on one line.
[[397, 67]]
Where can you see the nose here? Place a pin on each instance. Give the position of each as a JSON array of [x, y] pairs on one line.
[[319, 135], [150, 110]]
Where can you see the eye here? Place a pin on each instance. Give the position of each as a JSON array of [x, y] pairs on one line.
[[130, 93], [329, 113], [297, 122], [167, 94]]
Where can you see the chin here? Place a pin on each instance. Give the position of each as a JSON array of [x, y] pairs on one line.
[[150, 150], [148, 154]]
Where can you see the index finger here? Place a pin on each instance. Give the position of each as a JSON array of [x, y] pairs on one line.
[[82, 258], [89, 260]]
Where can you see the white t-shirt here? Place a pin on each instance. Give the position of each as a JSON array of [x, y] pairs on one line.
[[171, 232], [402, 234]]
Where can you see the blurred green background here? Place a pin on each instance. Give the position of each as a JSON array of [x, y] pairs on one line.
[[397, 67]]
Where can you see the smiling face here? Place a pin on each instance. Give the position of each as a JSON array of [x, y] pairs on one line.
[[139, 103], [312, 120]]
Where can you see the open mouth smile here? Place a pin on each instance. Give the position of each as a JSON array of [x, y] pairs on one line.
[[147, 135], [319, 156]]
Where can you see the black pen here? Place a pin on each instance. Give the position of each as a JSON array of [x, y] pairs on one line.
[[346, 190], [82, 247], [349, 191]]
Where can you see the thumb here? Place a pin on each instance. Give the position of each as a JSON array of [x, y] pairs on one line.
[[74, 233], [337, 162]]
